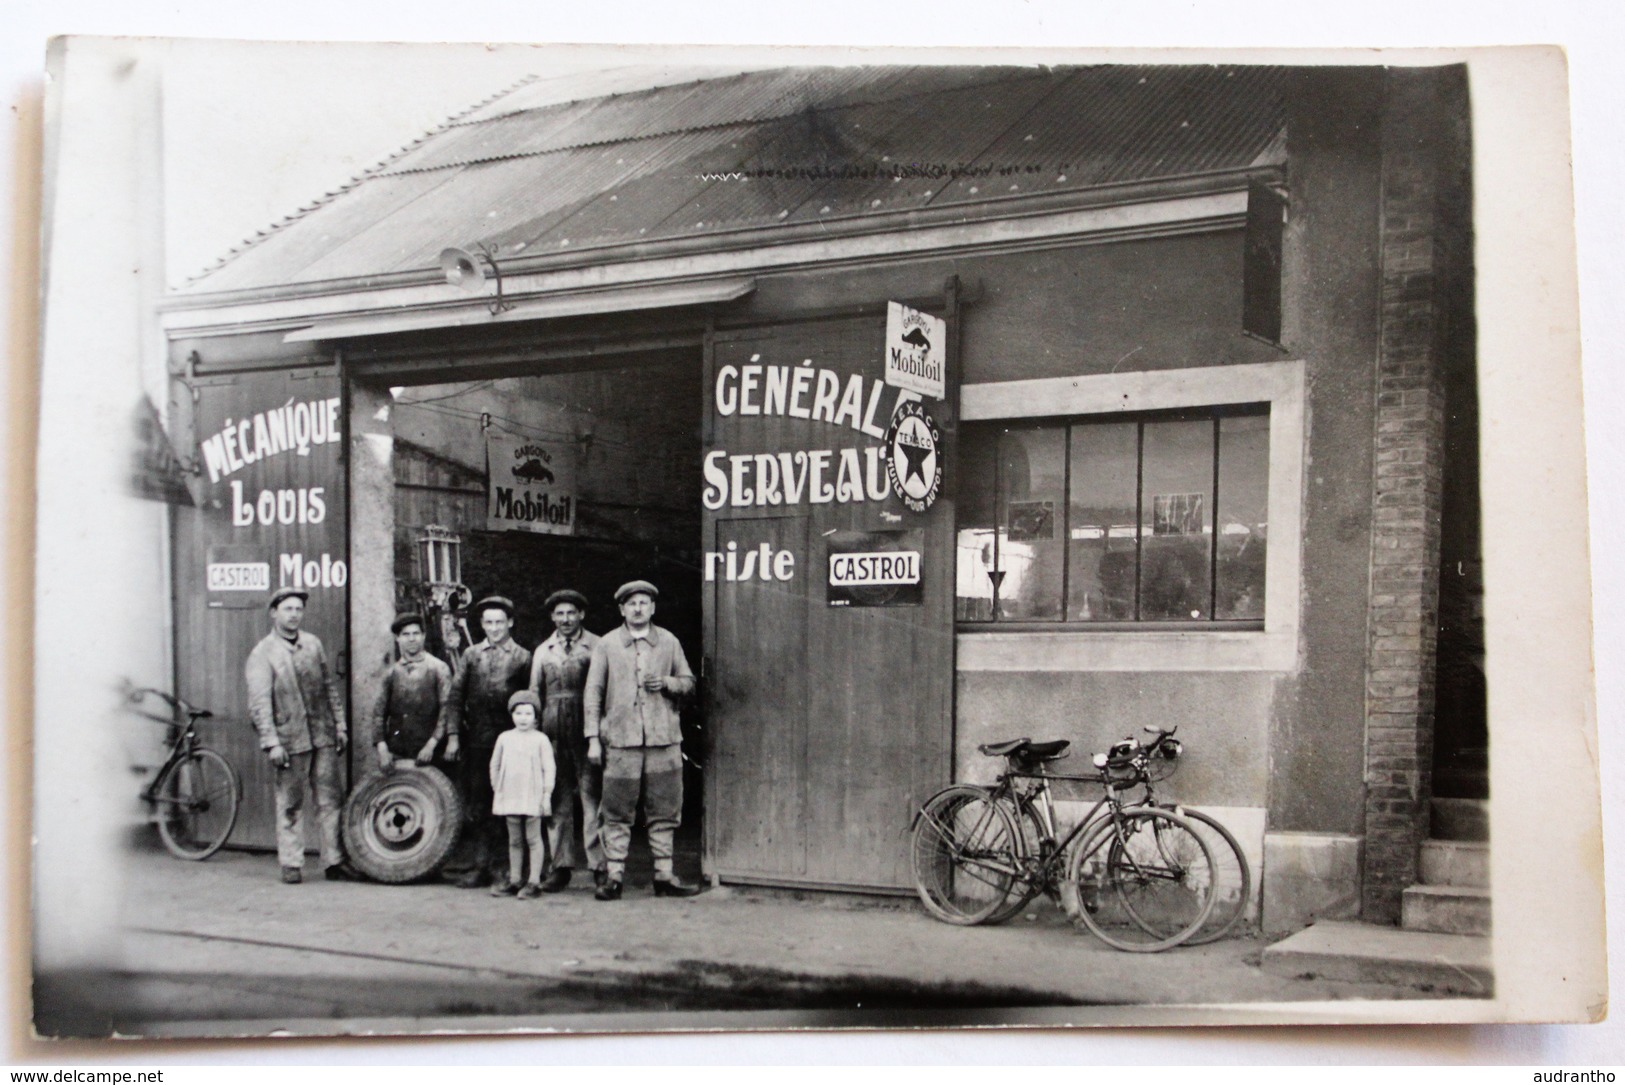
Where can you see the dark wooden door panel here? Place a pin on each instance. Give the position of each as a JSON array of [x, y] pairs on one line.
[[215, 630], [760, 689], [829, 723]]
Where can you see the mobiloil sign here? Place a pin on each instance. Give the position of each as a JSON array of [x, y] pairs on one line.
[[532, 485]]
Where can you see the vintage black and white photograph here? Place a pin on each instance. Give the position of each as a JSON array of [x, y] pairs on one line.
[[713, 538]]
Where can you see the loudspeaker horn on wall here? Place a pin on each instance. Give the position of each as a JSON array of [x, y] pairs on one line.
[[462, 269]]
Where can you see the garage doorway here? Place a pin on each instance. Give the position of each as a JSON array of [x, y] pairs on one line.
[[521, 484]]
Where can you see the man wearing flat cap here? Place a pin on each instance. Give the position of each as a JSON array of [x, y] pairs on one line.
[[558, 672], [637, 675], [476, 713], [408, 717], [298, 710]]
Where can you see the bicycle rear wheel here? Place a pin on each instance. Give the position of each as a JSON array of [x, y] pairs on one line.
[[1141, 882], [964, 855], [197, 799], [1029, 839]]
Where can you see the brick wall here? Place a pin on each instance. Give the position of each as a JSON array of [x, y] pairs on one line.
[[1410, 423]]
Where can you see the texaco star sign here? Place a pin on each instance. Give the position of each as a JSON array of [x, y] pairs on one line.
[[914, 456]]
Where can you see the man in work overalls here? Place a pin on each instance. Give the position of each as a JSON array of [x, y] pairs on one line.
[[298, 710], [476, 713], [558, 672]]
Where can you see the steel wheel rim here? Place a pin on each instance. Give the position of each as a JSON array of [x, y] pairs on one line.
[[400, 821]]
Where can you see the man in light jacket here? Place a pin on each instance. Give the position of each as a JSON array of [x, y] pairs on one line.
[[298, 711], [637, 675]]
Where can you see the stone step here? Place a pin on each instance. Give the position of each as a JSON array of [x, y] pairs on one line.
[[1445, 909], [1461, 819], [1363, 953], [1455, 862]]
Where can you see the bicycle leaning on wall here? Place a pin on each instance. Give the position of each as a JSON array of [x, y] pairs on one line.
[[196, 794], [1140, 876]]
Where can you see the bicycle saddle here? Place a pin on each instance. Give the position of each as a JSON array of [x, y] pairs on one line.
[[1042, 751], [1047, 751]]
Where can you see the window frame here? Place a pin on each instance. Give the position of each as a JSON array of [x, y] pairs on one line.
[[1280, 385], [1067, 425]]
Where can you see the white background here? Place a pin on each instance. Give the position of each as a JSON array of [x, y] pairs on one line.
[[310, 101]]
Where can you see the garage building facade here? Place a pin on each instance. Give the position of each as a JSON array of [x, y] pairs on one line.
[[1192, 443]]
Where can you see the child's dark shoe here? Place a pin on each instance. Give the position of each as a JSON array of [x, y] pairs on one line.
[[504, 888]]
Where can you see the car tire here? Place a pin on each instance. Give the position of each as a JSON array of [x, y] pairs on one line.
[[402, 825]]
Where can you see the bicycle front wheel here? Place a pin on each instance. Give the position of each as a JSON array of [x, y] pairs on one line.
[[1232, 878], [1142, 881], [965, 855], [196, 800]]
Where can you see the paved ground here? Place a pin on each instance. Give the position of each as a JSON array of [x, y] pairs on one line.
[[222, 947]]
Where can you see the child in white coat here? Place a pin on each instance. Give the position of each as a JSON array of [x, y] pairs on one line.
[[522, 787]]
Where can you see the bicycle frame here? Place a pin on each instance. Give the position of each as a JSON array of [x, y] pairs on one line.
[[1039, 799], [182, 740]]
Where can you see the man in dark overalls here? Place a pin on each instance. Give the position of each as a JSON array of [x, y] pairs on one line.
[[476, 713], [408, 716], [558, 672]]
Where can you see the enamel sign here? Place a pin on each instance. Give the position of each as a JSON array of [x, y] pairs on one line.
[[916, 345], [875, 568], [531, 485], [914, 456]]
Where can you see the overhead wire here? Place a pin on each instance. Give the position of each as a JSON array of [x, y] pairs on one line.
[[512, 426], [478, 387]]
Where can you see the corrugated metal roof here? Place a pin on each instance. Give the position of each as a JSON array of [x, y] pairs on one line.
[[820, 144]]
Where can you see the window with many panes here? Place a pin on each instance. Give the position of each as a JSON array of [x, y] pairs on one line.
[[1115, 520]]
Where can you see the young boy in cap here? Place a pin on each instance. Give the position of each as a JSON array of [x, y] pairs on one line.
[[298, 710], [558, 672], [408, 716], [638, 672], [476, 713]]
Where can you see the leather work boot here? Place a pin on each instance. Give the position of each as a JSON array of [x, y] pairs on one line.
[[610, 890], [291, 875], [556, 880], [671, 887]]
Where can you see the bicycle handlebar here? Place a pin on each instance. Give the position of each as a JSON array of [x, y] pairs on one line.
[[137, 694]]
